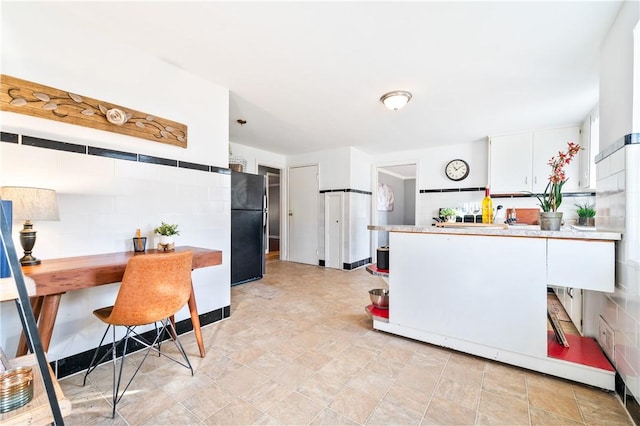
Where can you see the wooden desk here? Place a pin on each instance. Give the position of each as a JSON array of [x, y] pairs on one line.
[[54, 277]]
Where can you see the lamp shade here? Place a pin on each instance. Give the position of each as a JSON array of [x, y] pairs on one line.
[[31, 204], [396, 99]]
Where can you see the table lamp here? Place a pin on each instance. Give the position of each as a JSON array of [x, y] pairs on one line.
[[30, 204]]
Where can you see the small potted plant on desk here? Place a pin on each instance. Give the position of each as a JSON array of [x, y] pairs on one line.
[[166, 232], [586, 214]]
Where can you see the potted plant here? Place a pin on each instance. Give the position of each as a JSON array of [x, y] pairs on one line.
[[166, 232], [586, 214], [449, 214], [550, 200]]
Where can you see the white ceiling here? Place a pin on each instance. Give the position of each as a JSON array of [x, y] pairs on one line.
[[308, 76]]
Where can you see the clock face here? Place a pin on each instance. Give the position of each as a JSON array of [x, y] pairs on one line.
[[457, 169]]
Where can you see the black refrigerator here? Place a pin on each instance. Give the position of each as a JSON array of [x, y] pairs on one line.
[[248, 227]]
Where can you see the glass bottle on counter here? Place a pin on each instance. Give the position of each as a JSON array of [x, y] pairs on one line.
[[487, 207]]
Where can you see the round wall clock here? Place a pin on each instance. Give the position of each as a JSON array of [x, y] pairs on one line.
[[457, 169]]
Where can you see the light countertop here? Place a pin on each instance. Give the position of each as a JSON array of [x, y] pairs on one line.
[[530, 231]]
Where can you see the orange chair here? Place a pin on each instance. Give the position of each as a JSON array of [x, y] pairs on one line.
[[154, 287]]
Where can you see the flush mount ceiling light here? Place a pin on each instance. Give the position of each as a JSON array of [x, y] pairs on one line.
[[396, 99]]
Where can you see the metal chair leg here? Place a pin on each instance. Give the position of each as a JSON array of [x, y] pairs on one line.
[[166, 327], [93, 364]]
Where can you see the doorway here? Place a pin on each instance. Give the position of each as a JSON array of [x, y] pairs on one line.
[[395, 201], [272, 243], [303, 214]]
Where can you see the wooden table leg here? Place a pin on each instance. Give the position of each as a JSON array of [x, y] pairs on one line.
[[48, 315], [195, 320], [47, 309], [36, 306]]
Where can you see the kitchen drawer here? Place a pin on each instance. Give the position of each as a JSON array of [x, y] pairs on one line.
[[584, 264]]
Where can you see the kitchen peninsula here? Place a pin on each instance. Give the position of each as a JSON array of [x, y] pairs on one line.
[[483, 291]]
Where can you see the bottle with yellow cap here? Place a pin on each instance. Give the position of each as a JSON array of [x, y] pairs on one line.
[[487, 207]]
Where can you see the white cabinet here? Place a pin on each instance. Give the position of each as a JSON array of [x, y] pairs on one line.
[[585, 264], [510, 160], [520, 162]]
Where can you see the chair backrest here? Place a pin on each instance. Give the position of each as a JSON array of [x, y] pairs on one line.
[[154, 287]]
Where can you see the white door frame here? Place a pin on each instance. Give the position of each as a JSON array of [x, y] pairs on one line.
[[269, 174], [328, 237], [286, 213], [374, 197]]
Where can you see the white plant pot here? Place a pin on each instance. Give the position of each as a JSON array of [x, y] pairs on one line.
[[166, 239]]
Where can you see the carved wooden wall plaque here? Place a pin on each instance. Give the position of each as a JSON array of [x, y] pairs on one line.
[[34, 99]]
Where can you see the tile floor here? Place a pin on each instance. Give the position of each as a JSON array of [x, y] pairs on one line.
[[299, 349]]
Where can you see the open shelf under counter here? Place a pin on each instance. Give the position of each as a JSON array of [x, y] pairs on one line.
[[374, 270], [582, 350], [378, 314]]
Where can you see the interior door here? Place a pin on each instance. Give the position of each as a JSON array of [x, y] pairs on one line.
[[303, 214], [333, 228]]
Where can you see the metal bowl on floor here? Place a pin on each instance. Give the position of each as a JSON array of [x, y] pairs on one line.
[[380, 298]]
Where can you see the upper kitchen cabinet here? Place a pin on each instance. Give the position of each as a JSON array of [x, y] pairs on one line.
[[510, 160], [519, 162]]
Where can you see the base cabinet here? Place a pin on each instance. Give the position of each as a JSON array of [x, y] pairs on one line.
[[487, 296]]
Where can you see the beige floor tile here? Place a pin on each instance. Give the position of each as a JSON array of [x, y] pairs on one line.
[[266, 394], [387, 413], [295, 409], [342, 366], [181, 387], [208, 401], [269, 363], [412, 399], [419, 378], [217, 367], [293, 354], [335, 346], [174, 415], [462, 394], [321, 387], [371, 383], [237, 412], [141, 406], [464, 369], [91, 409], [246, 355], [291, 375], [329, 417], [553, 402], [240, 380], [267, 420], [353, 404], [443, 412], [553, 385], [313, 359], [399, 355], [601, 408], [540, 417], [496, 409], [505, 382], [385, 367]]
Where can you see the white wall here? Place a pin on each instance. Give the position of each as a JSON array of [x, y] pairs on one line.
[[257, 157], [430, 175], [616, 77], [102, 201], [618, 189]]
